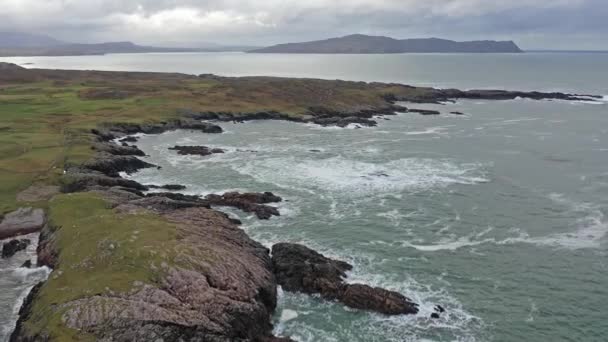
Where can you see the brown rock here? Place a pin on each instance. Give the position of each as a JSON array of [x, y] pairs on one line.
[[300, 269], [377, 299]]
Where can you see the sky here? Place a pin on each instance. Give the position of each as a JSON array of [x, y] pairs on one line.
[[533, 24]]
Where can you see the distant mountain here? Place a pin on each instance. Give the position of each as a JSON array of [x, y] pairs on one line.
[[25, 40], [359, 44], [24, 44]]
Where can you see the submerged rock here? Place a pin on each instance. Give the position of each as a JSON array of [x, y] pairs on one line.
[[301, 269], [424, 111], [196, 150], [21, 222], [12, 247]]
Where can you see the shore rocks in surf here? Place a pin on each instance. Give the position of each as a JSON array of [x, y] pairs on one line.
[[12, 247], [171, 187], [301, 269], [21, 222], [196, 150], [424, 111], [248, 202]]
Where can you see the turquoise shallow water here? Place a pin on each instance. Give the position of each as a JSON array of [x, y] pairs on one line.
[[498, 215]]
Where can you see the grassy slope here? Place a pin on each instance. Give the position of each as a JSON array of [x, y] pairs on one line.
[[46, 116], [100, 252]]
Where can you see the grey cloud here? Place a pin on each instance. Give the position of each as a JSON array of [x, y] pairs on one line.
[[534, 23]]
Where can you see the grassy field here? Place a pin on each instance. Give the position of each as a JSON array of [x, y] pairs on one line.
[[46, 116]]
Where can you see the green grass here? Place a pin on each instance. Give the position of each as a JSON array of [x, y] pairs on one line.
[[100, 251]]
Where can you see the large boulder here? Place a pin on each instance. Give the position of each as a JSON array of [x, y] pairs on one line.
[[300, 269], [22, 221]]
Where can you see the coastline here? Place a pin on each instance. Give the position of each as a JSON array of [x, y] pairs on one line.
[[101, 173]]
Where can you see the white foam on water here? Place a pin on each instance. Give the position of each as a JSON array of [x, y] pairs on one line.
[[591, 231], [351, 177], [288, 315], [439, 130], [591, 226]]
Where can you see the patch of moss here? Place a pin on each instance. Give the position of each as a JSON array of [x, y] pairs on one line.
[[99, 252]]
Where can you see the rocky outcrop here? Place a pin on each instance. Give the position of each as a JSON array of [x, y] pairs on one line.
[[119, 150], [111, 165], [219, 287], [81, 179], [195, 150], [12, 247], [300, 269], [248, 202], [21, 222]]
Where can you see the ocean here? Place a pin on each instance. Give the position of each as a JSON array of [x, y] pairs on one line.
[[498, 215]]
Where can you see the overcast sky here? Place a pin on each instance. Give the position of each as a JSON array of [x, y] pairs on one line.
[[550, 24]]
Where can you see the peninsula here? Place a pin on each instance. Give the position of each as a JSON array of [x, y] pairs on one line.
[[364, 44]]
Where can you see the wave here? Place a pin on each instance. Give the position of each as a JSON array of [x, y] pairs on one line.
[[351, 177]]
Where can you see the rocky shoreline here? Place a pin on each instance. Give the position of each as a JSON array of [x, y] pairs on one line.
[[199, 277], [230, 299]]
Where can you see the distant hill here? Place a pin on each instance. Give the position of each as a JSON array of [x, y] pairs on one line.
[[360, 44], [24, 44], [26, 40]]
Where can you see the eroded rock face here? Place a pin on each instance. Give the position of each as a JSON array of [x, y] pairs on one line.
[[300, 269], [12, 247], [21, 222]]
